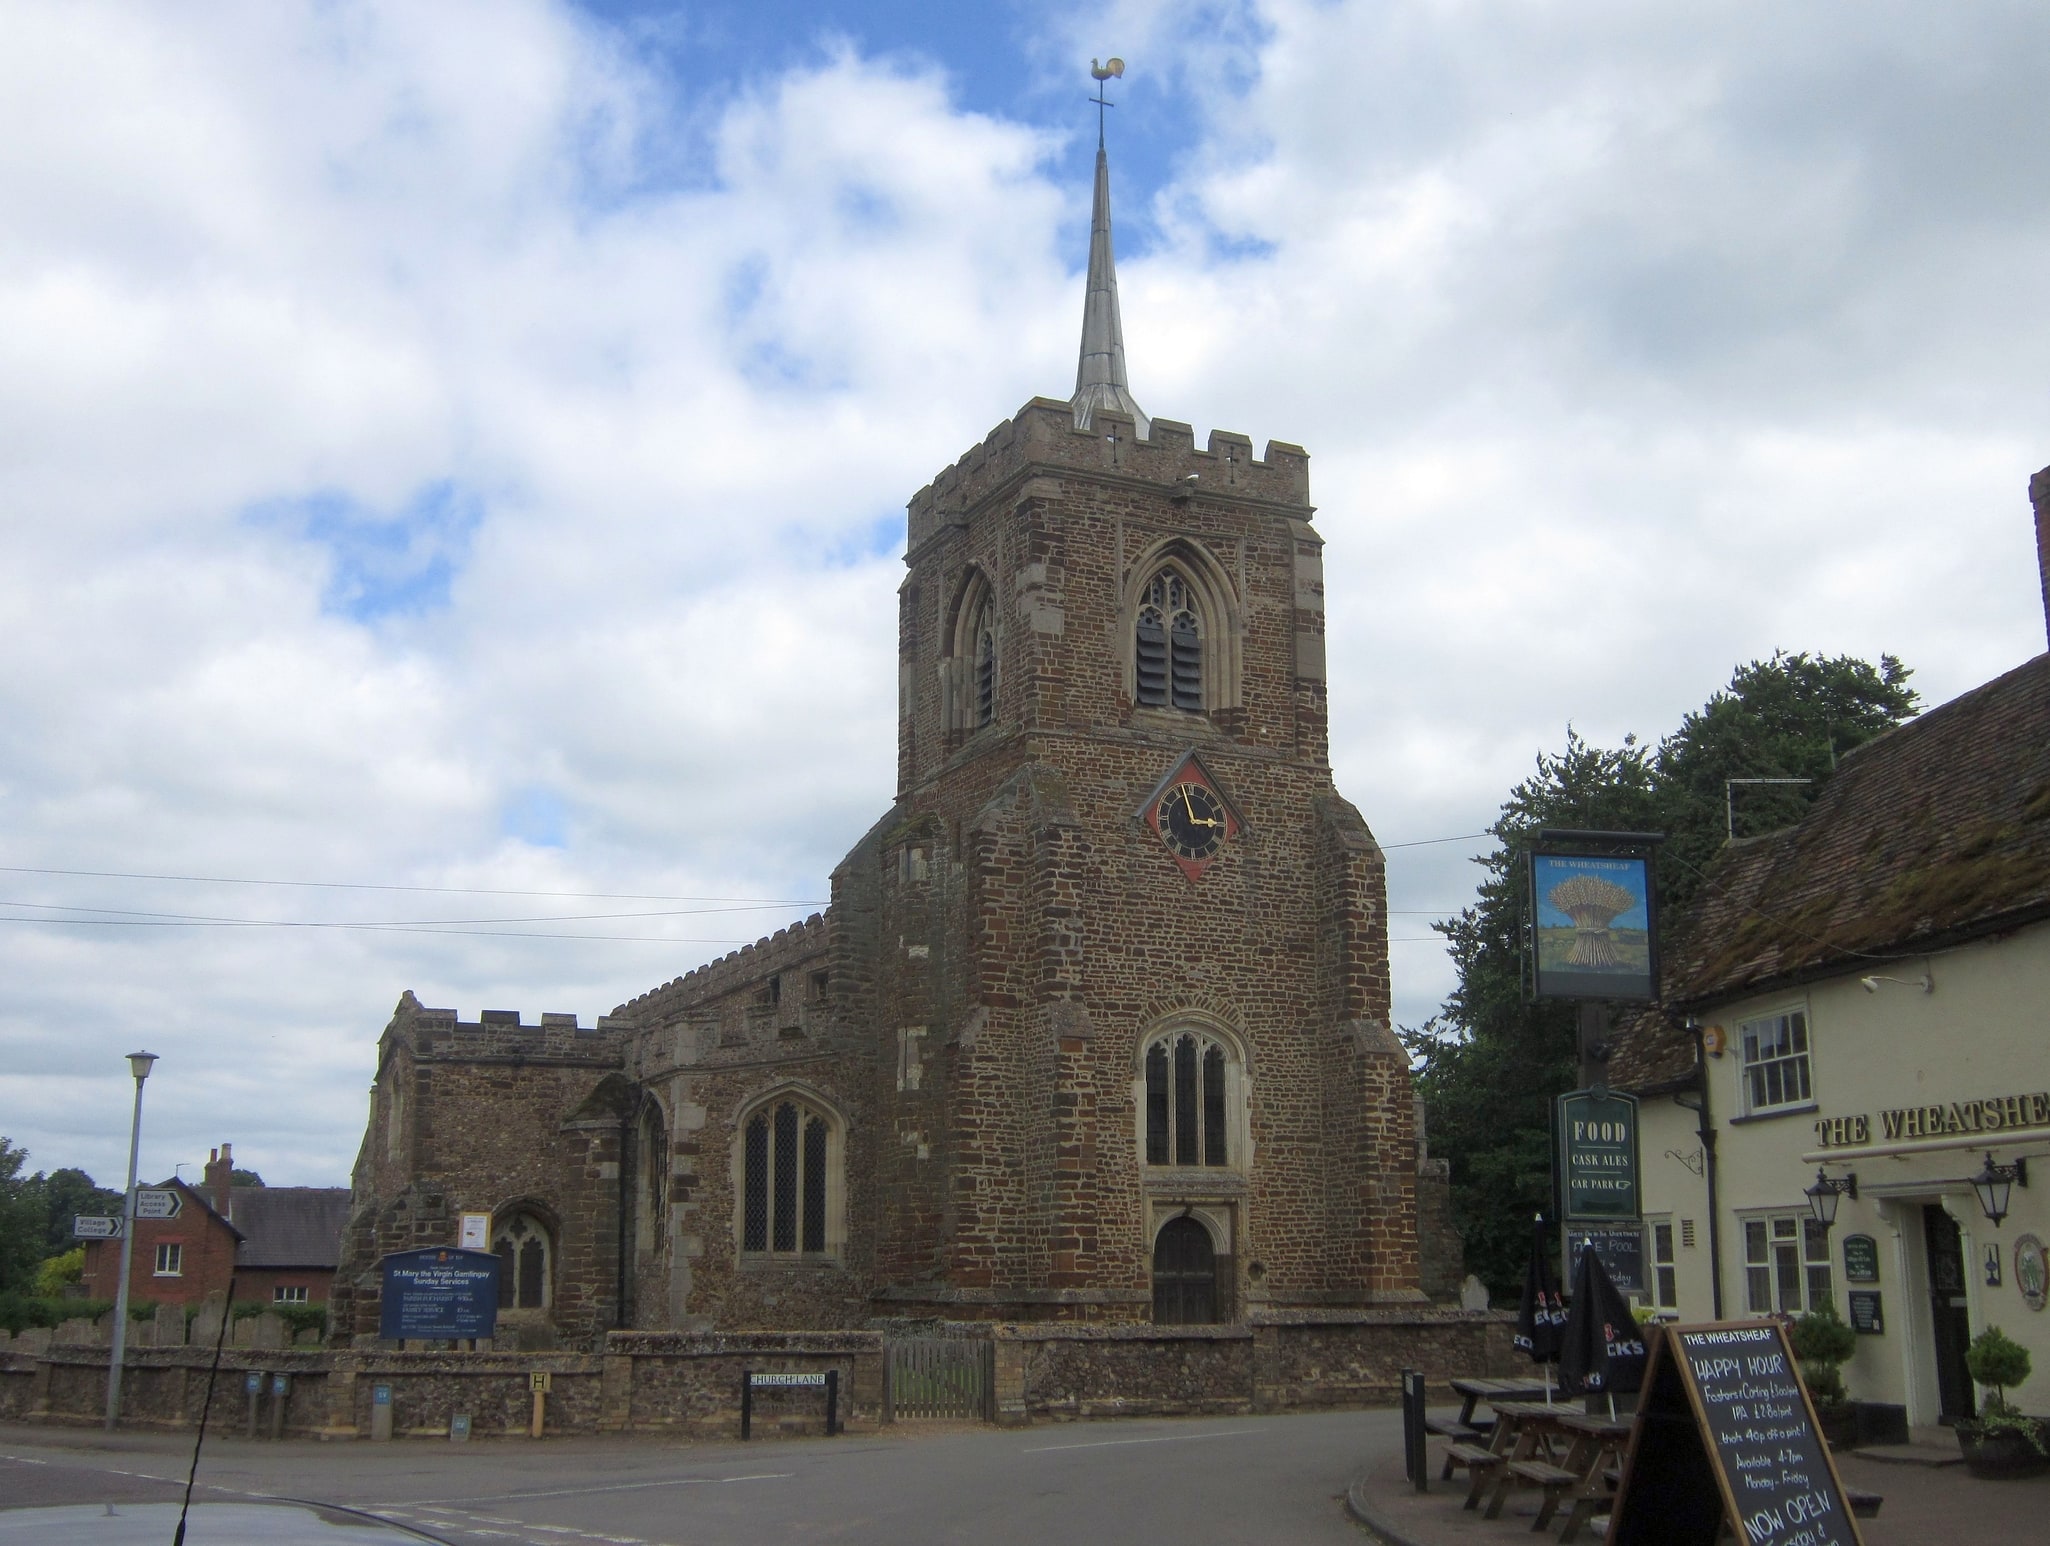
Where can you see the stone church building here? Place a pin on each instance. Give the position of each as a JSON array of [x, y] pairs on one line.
[[1096, 1027]]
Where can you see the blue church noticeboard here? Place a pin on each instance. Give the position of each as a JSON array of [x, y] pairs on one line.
[[441, 1292]]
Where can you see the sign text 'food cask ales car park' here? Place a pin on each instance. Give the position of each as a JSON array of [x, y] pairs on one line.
[[1724, 1428]]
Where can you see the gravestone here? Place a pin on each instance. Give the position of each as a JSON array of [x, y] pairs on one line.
[[1473, 1294], [34, 1339], [206, 1325], [77, 1331], [169, 1329], [268, 1332]]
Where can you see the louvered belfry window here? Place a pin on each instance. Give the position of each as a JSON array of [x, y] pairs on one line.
[[985, 675], [1168, 647], [783, 1181], [1187, 1102]]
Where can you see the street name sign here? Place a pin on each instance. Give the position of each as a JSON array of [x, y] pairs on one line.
[[164, 1204], [87, 1226]]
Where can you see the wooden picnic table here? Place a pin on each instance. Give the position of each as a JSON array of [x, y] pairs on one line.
[[1596, 1450], [1473, 1391]]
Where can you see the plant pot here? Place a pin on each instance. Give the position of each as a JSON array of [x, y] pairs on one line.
[[1839, 1425], [1999, 1454]]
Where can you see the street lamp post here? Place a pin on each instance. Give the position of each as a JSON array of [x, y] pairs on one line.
[[139, 1065]]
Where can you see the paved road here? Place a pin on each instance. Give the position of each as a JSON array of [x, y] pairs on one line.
[[1257, 1481]]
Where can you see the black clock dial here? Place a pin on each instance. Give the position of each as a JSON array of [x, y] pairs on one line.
[[1191, 821]]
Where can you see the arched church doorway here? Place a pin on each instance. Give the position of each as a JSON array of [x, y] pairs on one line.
[[1184, 1275]]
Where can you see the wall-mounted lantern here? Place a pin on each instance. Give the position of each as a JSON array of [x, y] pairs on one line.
[[1822, 1196], [1995, 1184]]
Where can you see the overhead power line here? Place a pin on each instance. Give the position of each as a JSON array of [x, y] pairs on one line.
[[360, 885]]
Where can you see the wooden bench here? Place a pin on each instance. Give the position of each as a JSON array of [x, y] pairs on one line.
[[1479, 1461], [1459, 1433], [1555, 1480]]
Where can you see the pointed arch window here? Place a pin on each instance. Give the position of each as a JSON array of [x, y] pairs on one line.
[[524, 1255], [1167, 653], [789, 1191], [1189, 1083], [970, 670]]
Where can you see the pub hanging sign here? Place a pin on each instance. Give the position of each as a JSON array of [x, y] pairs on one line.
[[1593, 905], [1598, 1166]]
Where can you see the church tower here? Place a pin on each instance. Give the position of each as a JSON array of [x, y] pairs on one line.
[[1097, 1025], [1129, 945]]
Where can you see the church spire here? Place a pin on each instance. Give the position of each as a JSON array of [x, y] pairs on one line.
[[1100, 380]]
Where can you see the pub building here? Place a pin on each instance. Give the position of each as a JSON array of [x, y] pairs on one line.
[[1846, 1092]]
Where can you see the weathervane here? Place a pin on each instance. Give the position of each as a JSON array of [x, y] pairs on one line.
[[1103, 73]]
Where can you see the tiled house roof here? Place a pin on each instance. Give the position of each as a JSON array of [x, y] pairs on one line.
[[289, 1226], [1934, 833], [1650, 1054]]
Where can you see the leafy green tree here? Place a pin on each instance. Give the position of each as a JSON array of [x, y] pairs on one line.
[[67, 1193], [240, 1177], [1490, 1062], [56, 1273], [22, 1221]]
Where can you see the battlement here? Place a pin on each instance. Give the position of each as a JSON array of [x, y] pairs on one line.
[[1042, 435], [441, 1032], [740, 969]]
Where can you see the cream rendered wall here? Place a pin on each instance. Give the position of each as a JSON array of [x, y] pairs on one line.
[[1983, 1033]]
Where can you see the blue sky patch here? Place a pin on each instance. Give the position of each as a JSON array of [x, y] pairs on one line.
[[383, 563], [537, 816]]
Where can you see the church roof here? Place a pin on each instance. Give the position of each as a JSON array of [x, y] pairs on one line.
[[289, 1226], [1100, 380]]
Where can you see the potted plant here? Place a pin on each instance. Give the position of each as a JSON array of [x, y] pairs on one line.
[[1824, 1342], [2000, 1442]]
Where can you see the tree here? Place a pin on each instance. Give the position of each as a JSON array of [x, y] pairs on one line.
[[21, 1222], [1489, 1062], [67, 1193], [240, 1177]]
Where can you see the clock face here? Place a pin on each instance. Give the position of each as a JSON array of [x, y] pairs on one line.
[[1191, 820]]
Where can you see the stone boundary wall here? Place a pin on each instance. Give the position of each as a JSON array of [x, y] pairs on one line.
[[689, 1383]]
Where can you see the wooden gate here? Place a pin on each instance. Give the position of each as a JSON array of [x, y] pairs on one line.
[[939, 1377]]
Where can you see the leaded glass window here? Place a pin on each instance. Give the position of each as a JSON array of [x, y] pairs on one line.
[[1167, 646], [1187, 1101], [785, 1164]]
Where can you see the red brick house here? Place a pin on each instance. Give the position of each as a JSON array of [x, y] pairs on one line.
[[280, 1243]]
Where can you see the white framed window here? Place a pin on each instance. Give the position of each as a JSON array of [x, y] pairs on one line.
[[1786, 1264], [170, 1259], [288, 1293], [1662, 1275], [1776, 1061]]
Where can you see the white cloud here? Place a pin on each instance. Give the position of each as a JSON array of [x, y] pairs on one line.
[[434, 453]]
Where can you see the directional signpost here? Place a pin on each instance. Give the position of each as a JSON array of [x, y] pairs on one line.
[[87, 1226], [159, 1204]]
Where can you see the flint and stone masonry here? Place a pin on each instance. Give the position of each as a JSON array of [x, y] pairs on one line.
[[1096, 1028]]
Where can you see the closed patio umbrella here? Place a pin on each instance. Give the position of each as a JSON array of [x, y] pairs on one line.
[[1602, 1352], [1541, 1312]]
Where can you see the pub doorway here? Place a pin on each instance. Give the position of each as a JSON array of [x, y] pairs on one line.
[[1184, 1275], [1949, 1320]]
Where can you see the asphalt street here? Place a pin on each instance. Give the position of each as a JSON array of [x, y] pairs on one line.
[[1276, 1481]]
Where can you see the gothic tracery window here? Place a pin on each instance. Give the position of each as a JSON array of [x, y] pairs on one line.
[[1188, 1100], [971, 666], [521, 1242], [785, 1159], [1167, 646]]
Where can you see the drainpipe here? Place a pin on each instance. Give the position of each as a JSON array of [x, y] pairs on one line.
[[1705, 1130], [620, 1244]]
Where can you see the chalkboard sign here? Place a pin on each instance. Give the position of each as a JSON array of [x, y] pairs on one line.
[[1725, 1429], [1620, 1246], [1866, 1315], [439, 1294], [1861, 1259]]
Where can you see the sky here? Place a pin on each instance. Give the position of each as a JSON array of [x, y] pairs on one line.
[[453, 454]]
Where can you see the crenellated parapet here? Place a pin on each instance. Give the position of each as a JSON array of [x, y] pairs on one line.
[[1041, 438], [746, 969], [440, 1034]]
